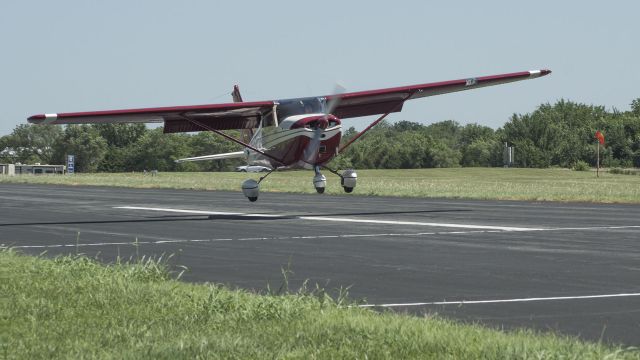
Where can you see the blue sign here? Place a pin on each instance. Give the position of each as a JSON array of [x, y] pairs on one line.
[[71, 161]]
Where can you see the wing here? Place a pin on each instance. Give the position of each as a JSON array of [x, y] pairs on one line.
[[383, 101], [243, 115], [231, 155], [247, 115]]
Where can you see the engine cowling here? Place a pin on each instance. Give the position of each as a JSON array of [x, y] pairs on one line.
[[314, 121]]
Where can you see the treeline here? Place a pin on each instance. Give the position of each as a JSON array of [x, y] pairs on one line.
[[561, 134], [114, 148]]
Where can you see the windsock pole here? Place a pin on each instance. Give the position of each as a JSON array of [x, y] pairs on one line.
[[598, 160]]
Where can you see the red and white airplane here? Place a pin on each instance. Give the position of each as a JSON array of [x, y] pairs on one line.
[[285, 134]]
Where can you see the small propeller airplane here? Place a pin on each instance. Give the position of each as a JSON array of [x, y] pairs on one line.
[[302, 133]]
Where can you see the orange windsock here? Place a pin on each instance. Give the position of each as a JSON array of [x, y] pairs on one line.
[[600, 137]]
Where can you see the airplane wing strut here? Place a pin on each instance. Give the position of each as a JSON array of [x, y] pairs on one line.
[[358, 135], [231, 138]]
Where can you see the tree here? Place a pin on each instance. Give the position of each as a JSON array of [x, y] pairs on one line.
[[446, 131], [158, 151], [404, 125], [83, 141], [476, 145], [559, 134], [208, 143], [30, 144], [120, 139], [478, 153], [635, 107], [443, 156], [121, 135], [473, 132]]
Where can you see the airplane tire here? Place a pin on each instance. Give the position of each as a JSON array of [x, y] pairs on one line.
[[348, 189], [320, 190], [253, 198]]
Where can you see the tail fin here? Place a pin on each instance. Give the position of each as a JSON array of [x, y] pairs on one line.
[[236, 94], [245, 134]]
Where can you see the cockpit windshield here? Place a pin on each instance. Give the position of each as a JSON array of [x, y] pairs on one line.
[[310, 105]]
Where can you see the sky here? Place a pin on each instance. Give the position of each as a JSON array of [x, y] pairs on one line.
[[67, 56]]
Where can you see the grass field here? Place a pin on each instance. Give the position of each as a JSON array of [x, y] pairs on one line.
[[464, 183], [74, 307]]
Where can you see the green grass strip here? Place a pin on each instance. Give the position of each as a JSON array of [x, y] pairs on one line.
[[74, 307], [458, 183]]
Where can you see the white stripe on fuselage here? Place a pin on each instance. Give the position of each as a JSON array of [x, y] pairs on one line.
[[279, 136]]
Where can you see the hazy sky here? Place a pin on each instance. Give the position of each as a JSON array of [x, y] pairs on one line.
[[61, 56]]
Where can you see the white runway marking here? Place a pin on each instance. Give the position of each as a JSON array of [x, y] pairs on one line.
[[385, 222], [162, 240], [322, 218], [449, 225], [174, 241], [195, 212], [467, 302], [306, 237]]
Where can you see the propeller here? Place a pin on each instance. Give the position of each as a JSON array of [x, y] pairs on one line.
[[333, 103], [311, 152]]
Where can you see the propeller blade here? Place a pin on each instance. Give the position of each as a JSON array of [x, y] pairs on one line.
[[335, 99], [311, 152]]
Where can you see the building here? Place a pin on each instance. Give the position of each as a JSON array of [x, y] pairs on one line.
[[7, 169], [38, 169]]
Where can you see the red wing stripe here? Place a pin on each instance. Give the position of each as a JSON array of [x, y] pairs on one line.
[[170, 109], [442, 84], [158, 111], [364, 103]]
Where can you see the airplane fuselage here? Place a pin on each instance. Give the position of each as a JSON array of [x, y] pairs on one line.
[[299, 141], [303, 136]]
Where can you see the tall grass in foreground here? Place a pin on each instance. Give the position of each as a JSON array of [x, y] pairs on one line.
[[74, 307], [463, 183]]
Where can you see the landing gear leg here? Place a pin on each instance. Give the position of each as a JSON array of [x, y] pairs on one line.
[[319, 181]]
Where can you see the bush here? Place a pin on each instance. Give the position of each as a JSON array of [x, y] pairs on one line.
[[620, 171], [581, 166]]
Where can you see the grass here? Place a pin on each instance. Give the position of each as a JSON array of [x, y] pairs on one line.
[[462, 183], [74, 307], [625, 171]]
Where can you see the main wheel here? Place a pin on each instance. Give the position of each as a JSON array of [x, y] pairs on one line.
[[320, 190], [347, 189], [253, 198]]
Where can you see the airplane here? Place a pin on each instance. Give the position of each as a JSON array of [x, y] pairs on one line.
[[300, 133]]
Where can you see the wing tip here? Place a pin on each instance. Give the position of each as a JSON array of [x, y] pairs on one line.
[[36, 117], [42, 118], [539, 73]]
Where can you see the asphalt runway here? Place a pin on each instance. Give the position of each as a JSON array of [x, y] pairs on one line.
[[567, 268]]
